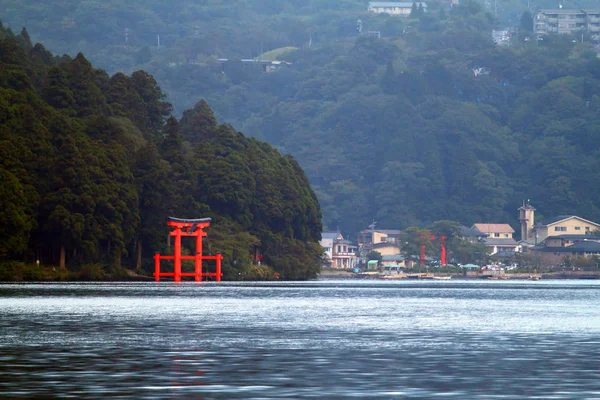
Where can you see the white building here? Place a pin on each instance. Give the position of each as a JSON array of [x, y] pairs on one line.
[[393, 8], [339, 253], [567, 21]]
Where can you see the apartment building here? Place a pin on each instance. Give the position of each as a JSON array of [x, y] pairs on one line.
[[567, 21]]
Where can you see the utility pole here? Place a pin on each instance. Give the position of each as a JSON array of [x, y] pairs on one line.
[[126, 35], [158, 41]]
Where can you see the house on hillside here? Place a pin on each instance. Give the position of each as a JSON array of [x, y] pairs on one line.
[[501, 37], [567, 21], [498, 238], [561, 231], [327, 239], [338, 252], [496, 231], [402, 9], [579, 248], [563, 225], [264, 65], [384, 241], [393, 261], [568, 240], [471, 235]]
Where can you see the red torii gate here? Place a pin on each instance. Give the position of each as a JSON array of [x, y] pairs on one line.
[[443, 250], [194, 228]]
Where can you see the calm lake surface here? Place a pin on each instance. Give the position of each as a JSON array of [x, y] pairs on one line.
[[322, 339]]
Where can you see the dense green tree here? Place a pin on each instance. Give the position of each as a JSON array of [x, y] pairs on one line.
[[199, 122], [92, 170], [429, 121], [414, 11], [16, 221], [375, 255]]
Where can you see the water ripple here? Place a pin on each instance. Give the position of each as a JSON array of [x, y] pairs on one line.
[[389, 340]]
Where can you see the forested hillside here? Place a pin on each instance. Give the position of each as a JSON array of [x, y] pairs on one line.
[[91, 166], [409, 121]]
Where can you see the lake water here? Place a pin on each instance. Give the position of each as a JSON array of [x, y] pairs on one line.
[[322, 339]]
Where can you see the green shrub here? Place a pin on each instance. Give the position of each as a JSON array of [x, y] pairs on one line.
[[91, 272]]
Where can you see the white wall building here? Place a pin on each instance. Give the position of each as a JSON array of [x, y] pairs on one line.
[[402, 9]]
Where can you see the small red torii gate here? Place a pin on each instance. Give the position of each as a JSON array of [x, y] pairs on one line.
[[443, 250], [191, 228]]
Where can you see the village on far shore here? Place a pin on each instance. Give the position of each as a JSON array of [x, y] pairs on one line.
[[566, 246]]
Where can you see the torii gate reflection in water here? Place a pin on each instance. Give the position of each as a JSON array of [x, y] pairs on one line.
[[194, 228]]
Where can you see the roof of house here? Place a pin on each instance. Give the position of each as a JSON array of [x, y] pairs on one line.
[[587, 246], [574, 237], [579, 247], [500, 242], [560, 11], [394, 257], [385, 244], [528, 242], [503, 253], [384, 231], [560, 218], [329, 235], [465, 231], [393, 4], [389, 231], [494, 228]]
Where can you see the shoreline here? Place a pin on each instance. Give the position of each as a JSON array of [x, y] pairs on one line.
[[561, 275]]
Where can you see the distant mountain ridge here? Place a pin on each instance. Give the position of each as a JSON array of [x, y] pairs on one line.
[[403, 128]]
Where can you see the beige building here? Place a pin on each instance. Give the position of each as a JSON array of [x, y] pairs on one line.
[[498, 238], [564, 225], [387, 249], [567, 21], [393, 8], [384, 241], [495, 231]]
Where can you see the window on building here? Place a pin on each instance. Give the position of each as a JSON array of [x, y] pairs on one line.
[[506, 235], [496, 235], [560, 228], [577, 228], [339, 249]]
